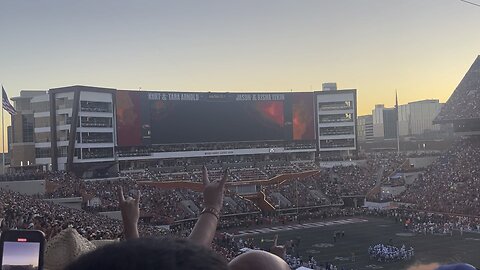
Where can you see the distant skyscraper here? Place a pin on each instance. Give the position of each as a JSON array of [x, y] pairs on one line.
[[414, 118], [365, 128], [422, 114], [9, 138], [378, 128], [390, 123], [329, 86], [22, 142]]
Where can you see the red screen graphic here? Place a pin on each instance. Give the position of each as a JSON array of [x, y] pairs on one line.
[[303, 116], [128, 118], [272, 110]]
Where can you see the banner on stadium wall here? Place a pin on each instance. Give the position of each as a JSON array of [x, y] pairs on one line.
[[191, 154]]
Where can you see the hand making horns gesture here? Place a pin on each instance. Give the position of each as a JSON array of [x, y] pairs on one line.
[[213, 191], [130, 212]]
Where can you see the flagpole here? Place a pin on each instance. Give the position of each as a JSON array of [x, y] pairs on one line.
[[398, 123], [398, 138], [3, 140]]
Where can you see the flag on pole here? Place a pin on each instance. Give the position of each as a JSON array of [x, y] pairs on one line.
[[6, 103]]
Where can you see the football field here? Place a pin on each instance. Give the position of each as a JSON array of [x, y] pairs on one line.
[[351, 251]]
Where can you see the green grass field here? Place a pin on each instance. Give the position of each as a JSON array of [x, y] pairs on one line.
[[359, 236]]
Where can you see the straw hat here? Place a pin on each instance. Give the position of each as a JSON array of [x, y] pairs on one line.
[[64, 248]]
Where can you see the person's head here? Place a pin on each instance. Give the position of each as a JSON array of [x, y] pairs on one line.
[[150, 254], [258, 260]]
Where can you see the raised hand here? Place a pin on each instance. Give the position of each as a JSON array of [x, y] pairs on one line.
[[213, 191], [130, 210], [280, 251], [204, 230]]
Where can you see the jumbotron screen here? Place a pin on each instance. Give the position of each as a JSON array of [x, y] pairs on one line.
[[146, 118]]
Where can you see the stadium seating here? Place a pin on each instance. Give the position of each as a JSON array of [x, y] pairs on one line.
[[452, 183]]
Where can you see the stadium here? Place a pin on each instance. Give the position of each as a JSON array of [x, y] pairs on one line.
[[292, 164], [120, 129]]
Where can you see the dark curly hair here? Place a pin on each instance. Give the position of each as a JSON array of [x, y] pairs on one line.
[[150, 254]]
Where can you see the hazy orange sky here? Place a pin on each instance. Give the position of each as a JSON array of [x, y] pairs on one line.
[[421, 48]]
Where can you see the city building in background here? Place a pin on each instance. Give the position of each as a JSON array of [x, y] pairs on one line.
[[7, 162], [329, 86], [378, 123], [336, 113], [389, 123], [9, 138], [21, 142], [365, 128], [404, 118], [422, 114], [414, 118]]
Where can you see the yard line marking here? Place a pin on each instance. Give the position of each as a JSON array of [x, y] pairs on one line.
[[300, 226]]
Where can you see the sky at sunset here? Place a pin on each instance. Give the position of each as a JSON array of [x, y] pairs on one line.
[[422, 48], [21, 254]]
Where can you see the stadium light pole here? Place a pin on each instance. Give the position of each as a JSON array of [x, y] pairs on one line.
[[3, 141], [296, 187], [397, 111]]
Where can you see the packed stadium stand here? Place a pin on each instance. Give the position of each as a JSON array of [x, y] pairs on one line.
[[269, 182], [452, 183], [324, 187], [26, 212]]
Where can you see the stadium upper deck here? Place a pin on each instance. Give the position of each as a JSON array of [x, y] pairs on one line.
[[464, 103]]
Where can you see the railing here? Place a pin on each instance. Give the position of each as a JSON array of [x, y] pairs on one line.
[[95, 109]]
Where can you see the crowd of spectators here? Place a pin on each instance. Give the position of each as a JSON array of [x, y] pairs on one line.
[[330, 184], [230, 247], [303, 193], [453, 177], [415, 221], [324, 188], [22, 176], [177, 204], [26, 212], [452, 183], [426, 222], [423, 154], [247, 169], [429, 223]]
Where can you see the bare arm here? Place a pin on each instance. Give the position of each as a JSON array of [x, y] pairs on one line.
[[204, 230], [278, 250], [130, 213]]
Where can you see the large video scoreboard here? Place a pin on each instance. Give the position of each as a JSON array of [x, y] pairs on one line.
[[146, 118]]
